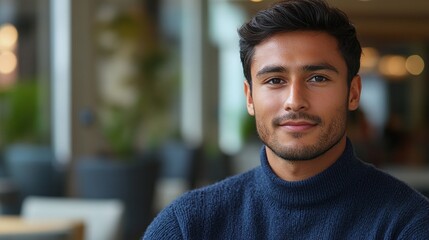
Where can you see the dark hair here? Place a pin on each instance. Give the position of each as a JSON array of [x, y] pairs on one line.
[[294, 15]]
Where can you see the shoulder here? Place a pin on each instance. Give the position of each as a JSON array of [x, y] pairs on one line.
[[391, 187], [219, 192], [188, 214], [392, 204], [394, 195]]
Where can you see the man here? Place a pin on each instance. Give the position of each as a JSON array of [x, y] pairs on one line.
[[301, 62]]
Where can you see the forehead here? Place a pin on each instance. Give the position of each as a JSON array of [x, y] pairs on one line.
[[297, 49]]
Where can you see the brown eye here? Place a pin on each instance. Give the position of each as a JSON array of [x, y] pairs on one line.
[[275, 81], [318, 79]]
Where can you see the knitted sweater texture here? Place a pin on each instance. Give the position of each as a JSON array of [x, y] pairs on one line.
[[349, 200]]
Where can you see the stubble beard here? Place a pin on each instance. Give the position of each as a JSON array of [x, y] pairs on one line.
[[329, 137]]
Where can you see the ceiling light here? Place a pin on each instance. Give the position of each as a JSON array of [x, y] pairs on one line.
[[370, 58], [8, 36], [415, 64], [393, 66], [8, 62]]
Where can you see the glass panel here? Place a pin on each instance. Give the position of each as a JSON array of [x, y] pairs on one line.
[[393, 105], [136, 77], [24, 82]]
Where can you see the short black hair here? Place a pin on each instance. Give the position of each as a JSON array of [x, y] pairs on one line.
[[299, 15]]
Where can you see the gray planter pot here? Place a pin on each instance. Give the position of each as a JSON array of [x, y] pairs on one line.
[[131, 182], [34, 171]]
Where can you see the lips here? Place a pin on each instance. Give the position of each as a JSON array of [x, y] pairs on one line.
[[298, 126], [297, 122]]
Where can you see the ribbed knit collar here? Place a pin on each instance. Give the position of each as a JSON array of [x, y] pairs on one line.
[[324, 186]]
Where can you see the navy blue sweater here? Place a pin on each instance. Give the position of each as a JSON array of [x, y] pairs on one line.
[[349, 200]]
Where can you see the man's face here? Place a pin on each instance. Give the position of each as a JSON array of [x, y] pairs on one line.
[[299, 95]]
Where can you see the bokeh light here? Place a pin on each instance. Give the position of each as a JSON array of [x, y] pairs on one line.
[[370, 58], [8, 62], [393, 66], [415, 65], [8, 36]]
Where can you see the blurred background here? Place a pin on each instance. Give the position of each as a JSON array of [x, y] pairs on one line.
[[141, 100]]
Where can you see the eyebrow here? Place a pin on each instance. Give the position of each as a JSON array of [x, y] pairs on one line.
[[305, 68], [322, 66], [271, 69]]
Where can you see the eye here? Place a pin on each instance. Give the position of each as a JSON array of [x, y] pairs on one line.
[[275, 81], [318, 79]]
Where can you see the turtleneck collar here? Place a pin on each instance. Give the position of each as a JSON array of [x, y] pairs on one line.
[[320, 187]]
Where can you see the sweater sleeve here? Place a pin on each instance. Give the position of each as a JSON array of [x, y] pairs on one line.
[[164, 226], [418, 227]]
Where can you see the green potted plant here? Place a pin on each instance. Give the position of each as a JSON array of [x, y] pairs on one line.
[[28, 158], [20, 118], [133, 117]]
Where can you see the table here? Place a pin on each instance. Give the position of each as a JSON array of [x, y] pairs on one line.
[[16, 227], [9, 197], [8, 191]]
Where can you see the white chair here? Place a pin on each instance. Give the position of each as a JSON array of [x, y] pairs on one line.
[[103, 218]]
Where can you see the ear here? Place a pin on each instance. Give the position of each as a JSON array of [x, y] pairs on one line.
[[354, 93], [249, 99]]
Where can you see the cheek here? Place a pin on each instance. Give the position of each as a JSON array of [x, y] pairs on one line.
[[267, 105], [328, 105]]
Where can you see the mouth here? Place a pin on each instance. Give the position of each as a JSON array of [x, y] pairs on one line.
[[297, 122], [298, 126]]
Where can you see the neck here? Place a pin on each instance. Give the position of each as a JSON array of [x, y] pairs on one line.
[[301, 170]]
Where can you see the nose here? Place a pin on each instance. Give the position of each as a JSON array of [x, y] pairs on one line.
[[296, 97]]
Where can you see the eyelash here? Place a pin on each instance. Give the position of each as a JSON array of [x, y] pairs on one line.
[[278, 80], [324, 79], [314, 79]]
